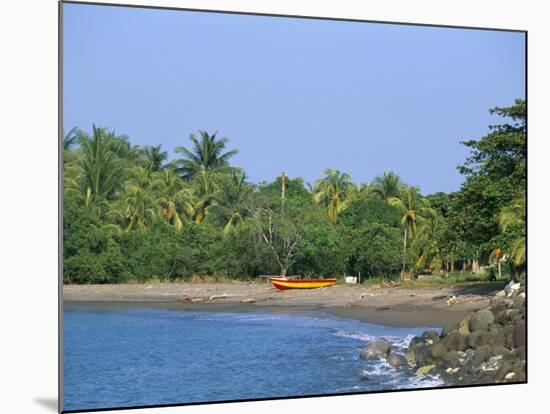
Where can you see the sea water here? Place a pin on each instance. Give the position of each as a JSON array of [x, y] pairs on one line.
[[150, 356]]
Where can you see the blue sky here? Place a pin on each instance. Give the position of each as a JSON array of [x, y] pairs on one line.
[[292, 95]]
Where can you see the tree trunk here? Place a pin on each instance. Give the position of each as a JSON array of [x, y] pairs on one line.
[[499, 271], [404, 251]]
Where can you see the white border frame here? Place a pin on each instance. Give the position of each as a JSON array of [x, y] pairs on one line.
[[29, 178]]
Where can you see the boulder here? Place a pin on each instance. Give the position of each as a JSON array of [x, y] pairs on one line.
[[478, 338], [509, 331], [424, 369], [481, 320], [377, 349], [455, 341], [432, 336], [417, 343], [423, 356], [512, 288], [438, 351], [396, 360], [463, 326], [451, 359], [483, 353], [516, 315], [248, 300], [503, 316], [449, 328]]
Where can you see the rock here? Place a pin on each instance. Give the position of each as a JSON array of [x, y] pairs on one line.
[[498, 349], [377, 349], [424, 356], [451, 359], [493, 364], [432, 336], [438, 351], [194, 300], [504, 369], [509, 332], [481, 320], [503, 316], [483, 353], [495, 329], [455, 341], [500, 294], [185, 299], [478, 338], [516, 315], [449, 328], [451, 300], [519, 335], [396, 360], [424, 369], [463, 326], [512, 288], [248, 300], [509, 376]]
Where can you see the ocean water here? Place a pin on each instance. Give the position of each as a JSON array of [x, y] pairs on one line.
[[150, 356]]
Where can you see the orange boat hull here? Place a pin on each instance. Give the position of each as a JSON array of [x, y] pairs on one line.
[[284, 284]]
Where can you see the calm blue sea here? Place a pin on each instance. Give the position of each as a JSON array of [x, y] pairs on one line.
[[148, 356]]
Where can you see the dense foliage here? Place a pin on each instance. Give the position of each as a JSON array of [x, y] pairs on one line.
[[130, 215]]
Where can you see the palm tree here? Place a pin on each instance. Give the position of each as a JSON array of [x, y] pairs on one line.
[[413, 208], [136, 207], [427, 239], [361, 191], [204, 158], [101, 170], [387, 185], [173, 198], [70, 138], [333, 191], [154, 157], [514, 215], [232, 207]]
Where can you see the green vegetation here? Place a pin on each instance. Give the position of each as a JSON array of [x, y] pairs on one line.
[[132, 216]]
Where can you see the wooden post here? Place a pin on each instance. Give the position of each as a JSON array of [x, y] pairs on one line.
[[359, 277]]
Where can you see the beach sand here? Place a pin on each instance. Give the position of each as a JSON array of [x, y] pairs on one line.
[[392, 306]]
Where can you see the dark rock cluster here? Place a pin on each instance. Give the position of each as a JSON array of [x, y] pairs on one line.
[[488, 346]]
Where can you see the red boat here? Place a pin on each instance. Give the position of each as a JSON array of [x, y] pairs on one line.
[[282, 283]]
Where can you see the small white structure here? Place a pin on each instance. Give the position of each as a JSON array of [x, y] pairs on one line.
[[352, 280]]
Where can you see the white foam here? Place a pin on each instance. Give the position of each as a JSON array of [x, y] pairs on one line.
[[354, 335]]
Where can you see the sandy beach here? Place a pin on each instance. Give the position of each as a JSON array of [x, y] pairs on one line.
[[392, 306]]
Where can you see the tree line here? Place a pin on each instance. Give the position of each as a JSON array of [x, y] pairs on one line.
[[130, 215]]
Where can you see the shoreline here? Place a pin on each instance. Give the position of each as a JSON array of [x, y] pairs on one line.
[[395, 306]]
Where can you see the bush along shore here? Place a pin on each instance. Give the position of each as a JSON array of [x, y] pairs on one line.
[[488, 346]]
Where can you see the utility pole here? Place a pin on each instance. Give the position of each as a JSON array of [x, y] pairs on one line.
[[283, 189]]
